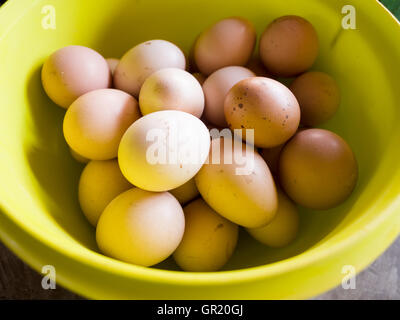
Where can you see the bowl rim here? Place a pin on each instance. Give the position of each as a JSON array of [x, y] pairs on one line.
[[10, 13]]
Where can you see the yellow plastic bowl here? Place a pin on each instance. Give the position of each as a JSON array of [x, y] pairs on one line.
[[40, 218]]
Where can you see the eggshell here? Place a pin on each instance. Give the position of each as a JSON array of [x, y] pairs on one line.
[[271, 157], [163, 150], [141, 227], [199, 77], [78, 157], [72, 71], [171, 89], [215, 89], [112, 64], [318, 169], [289, 46], [283, 229], [208, 241], [255, 65], [318, 96], [229, 42], [186, 192], [95, 122], [100, 182], [266, 106], [144, 59], [240, 188]]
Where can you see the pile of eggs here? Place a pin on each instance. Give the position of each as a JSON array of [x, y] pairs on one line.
[[136, 121]]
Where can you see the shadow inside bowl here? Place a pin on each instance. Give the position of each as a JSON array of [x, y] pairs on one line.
[[55, 170]]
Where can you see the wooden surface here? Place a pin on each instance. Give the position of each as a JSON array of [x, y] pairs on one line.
[[18, 281], [380, 281]]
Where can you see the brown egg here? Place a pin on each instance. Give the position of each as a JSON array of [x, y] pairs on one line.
[[191, 65], [171, 89], [112, 64], [317, 169], [144, 59], [283, 228], [266, 106], [199, 77], [95, 123], [238, 185], [78, 157], [72, 71], [229, 42], [186, 192], [255, 64], [208, 241], [318, 96], [215, 89], [289, 46], [271, 157], [100, 182], [141, 227]]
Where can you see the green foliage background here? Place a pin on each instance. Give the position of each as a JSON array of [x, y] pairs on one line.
[[393, 6]]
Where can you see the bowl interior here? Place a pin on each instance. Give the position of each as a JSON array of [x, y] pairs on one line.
[[39, 175]]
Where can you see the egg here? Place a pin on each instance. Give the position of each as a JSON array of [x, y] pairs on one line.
[[318, 169], [144, 59], [100, 182], [255, 65], [318, 95], [95, 122], [112, 64], [163, 150], [186, 192], [171, 89], [199, 77], [141, 227], [208, 241], [72, 71], [283, 229], [266, 106], [229, 42], [215, 89], [271, 157], [236, 182], [78, 157], [289, 46]]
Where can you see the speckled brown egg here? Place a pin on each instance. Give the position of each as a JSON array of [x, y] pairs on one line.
[[318, 169], [266, 106], [236, 183], [215, 89], [229, 42], [318, 96], [289, 46]]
